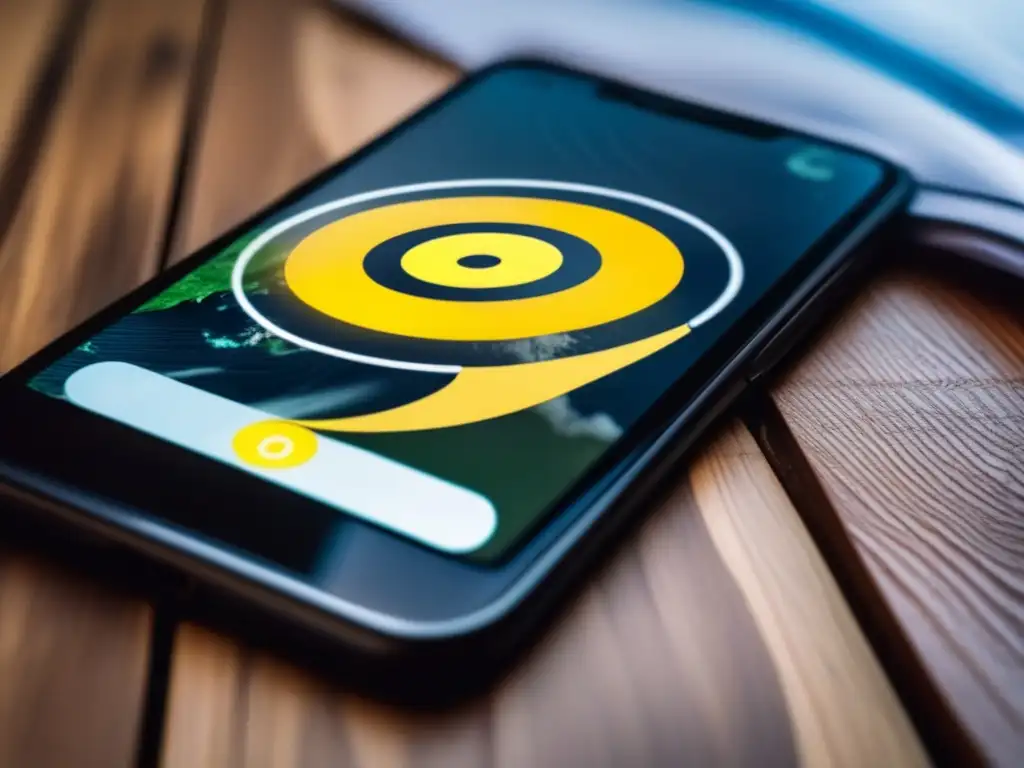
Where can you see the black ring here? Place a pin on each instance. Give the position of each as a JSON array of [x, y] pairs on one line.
[[580, 262]]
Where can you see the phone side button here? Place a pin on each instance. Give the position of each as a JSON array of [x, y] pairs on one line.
[[804, 320], [777, 347]]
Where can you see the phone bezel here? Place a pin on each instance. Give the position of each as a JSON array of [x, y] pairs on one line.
[[475, 596]]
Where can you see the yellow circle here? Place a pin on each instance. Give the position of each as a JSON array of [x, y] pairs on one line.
[[522, 259], [639, 267], [275, 445]]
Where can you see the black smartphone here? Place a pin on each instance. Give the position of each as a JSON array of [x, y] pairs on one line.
[[397, 410]]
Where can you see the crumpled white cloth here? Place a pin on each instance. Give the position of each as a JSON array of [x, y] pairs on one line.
[[935, 85]]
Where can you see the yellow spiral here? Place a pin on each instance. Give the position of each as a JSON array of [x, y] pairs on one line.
[[470, 267]]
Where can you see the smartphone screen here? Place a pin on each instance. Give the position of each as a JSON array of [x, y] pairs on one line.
[[442, 337]]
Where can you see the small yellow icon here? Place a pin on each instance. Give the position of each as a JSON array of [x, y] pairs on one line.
[[275, 445]]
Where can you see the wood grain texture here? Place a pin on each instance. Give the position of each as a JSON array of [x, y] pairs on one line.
[[73, 656], [297, 86], [37, 42], [90, 225], [27, 28], [717, 638], [73, 661], [911, 412], [824, 671]]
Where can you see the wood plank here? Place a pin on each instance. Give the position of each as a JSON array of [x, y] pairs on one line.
[[27, 30], [718, 637], [690, 649], [798, 609], [92, 220], [37, 41], [265, 134], [73, 656], [73, 663], [911, 412]]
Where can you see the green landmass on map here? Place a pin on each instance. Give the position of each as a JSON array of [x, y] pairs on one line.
[[212, 278]]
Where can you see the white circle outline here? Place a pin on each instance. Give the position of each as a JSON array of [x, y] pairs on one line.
[[732, 287], [280, 454]]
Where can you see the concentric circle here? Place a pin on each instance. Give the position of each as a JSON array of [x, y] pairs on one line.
[[530, 261], [334, 269], [325, 271], [275, 445], [482, 260]]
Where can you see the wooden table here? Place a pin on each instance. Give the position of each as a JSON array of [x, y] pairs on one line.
[[837, 579]]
